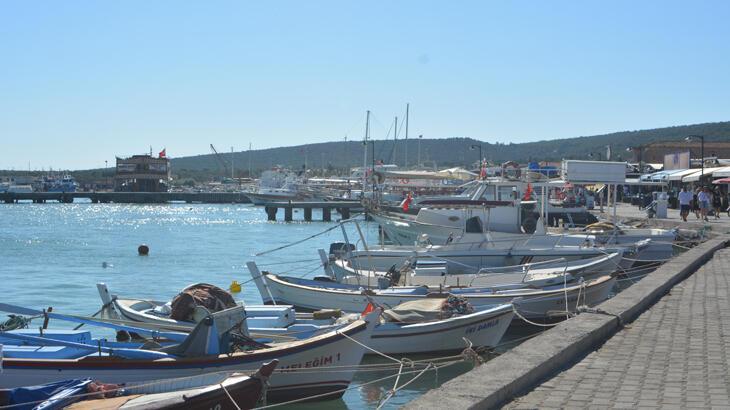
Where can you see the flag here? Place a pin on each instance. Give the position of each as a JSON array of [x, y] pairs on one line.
[[528, 192], [369, 308], [163, 153], [608, 152], [483, 171], [407, 202]]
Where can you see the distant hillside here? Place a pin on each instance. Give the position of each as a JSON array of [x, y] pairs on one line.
[[444, 151]]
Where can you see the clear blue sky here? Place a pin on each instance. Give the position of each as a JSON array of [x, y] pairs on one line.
[[83, 81]]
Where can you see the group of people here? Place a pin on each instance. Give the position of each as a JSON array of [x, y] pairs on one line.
[[701, 201]]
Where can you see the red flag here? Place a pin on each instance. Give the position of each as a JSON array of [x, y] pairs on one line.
[[483, 171], [369, 308], [163, 153], [528, 192], [407, 202]]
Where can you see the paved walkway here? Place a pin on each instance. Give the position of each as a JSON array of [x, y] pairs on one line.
[[632, 211], [675, 355]]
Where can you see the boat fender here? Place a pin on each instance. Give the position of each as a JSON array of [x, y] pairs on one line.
[[235, 287], [143, 250]]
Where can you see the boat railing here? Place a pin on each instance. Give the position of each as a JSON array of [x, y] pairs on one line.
[[503, 270]]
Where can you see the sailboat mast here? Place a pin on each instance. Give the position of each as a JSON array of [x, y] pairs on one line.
[[395, 140], [365, 151], [405, 162]]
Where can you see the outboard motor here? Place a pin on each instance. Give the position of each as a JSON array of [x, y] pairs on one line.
[[340, 249]]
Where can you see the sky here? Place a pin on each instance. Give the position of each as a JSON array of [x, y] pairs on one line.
[[84, 81]]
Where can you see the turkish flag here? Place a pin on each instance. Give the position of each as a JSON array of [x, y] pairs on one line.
[[528, 192], [407, 203], [163, 153], [369, 308]]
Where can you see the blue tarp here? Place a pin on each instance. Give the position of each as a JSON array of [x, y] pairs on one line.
[[48, 396]]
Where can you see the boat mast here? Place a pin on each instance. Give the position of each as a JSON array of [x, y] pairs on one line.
[[395, 140], [249, 160], [405, 162], [365, 152]]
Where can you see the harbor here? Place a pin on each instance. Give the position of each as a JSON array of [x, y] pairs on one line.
[[547, 294], [364, 206]]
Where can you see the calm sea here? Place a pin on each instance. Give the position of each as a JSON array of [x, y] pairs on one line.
[[53, 255]]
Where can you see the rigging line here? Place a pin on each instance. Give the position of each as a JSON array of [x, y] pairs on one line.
[[298, 242]]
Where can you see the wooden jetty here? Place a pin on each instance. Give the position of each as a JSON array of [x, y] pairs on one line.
[[343, 207], [127, 197]]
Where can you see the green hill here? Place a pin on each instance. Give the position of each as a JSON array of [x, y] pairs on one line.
[[445, 152]]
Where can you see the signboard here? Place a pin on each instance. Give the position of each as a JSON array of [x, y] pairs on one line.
[[678, 160], [126, 168], [594, 172], [158, 167]]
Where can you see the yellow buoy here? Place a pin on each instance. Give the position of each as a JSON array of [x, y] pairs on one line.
[[235, 287]]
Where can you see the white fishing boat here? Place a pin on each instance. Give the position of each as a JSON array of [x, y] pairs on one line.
[[425, 331], [418, 327], [435, 273], [262, 321], [471, 258], [42, 359], [540, 303], [660, 249]]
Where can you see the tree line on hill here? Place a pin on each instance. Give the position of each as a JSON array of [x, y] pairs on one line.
[[338, 157]]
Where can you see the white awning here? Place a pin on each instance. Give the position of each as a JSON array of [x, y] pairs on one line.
[[695, 176], [721, 173], [677, 176]]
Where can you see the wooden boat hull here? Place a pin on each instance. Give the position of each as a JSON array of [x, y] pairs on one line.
[[235, 392]]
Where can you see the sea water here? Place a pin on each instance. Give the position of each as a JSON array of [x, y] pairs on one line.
[[54, 254]]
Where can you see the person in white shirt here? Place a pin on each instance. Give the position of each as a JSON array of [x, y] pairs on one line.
[[685, 198], [704, 198]]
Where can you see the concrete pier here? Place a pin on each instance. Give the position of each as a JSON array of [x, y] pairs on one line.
[[127, 197], [675, 355], [566, 367], [343, 207]]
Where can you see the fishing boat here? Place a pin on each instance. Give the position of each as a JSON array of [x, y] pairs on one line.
[[427, 330], [469, 258], [432, 272], [217, 391], [43, 358], [419, 327], [262, 321], [320, 293]]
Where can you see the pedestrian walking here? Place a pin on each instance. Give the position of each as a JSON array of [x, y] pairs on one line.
[[685, 202], [704, 198]]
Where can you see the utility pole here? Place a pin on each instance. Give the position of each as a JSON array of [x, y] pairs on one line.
[[405, 162], [420, 137]]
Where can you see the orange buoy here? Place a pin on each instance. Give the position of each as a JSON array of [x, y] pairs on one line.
[[143, 250]]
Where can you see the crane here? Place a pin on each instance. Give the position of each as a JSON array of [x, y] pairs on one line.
[[219, 157]]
